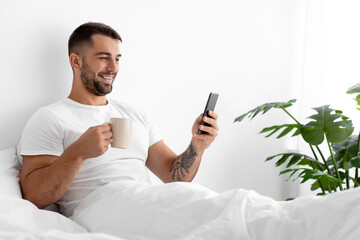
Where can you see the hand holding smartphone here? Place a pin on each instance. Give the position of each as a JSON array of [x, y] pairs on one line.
[[210, 106]]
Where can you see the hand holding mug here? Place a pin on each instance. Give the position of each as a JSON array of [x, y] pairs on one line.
[[94, 142]]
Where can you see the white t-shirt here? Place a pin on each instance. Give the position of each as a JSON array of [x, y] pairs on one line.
[[54, 128]]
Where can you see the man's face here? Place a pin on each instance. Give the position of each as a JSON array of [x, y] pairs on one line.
[[100, 65]]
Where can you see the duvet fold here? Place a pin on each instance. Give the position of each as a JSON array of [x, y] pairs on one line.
[[134, 210]]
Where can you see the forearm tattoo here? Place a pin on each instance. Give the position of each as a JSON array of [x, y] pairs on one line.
[[182, 163]]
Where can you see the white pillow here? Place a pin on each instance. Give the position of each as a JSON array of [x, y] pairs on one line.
[[9, 173]]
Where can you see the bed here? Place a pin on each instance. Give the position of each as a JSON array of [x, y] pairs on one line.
[[20, 219], [179, 211]]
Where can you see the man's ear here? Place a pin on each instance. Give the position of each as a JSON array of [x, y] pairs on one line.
[[75, 61]]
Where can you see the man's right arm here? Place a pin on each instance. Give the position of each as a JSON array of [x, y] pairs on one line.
[[45, 179]]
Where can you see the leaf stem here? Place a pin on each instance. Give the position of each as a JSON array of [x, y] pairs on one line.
[[325, 163], [334, 162], [357, 154], [320, 184], [322, 157], [292, 117], [347, 179], [358, 145]]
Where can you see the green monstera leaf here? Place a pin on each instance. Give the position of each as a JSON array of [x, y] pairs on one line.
[[346, 153], [328, 182], [355, 89], [287, 129], [265, 108], [327, 122], [294, 158]]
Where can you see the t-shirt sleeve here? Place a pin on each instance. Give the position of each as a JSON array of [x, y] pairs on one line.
[[154, 134], [42, 135]]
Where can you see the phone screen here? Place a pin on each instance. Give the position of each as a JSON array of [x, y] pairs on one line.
[[210, 106]]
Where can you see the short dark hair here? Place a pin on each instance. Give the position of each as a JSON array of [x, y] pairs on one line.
[[82, 35]]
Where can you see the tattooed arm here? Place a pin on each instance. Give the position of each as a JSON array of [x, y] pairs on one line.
[[180, 169], [169, 167]]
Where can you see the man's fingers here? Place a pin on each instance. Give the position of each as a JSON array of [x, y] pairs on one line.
[[212, 122], [213, 115], [107, 135], [104, 127], [212, 131]]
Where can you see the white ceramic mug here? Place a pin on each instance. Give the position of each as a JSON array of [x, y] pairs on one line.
[[121, 129]]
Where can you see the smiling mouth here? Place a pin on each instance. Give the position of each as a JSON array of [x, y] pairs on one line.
[[107, 78]]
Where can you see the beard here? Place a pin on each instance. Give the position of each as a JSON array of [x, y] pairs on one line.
[[91, 83]]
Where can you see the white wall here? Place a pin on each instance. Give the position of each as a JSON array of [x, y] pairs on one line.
[[174, 54]]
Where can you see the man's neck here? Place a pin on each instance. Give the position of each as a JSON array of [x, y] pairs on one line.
[[88, 99]]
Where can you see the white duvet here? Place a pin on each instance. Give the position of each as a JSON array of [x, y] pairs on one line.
[[21, 220], [134, 210]]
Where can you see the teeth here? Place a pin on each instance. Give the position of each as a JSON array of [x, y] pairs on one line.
[[107, 78]]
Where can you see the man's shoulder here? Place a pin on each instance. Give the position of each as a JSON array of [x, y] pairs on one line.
[[53, 108], [54, 112]]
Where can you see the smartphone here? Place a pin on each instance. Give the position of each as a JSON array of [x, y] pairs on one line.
[[210, 106]]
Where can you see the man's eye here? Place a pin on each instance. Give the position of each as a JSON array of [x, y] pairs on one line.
[[117, 59], [103, 58]]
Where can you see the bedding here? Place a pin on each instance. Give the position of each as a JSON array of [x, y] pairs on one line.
[[9, 173], [134, 210], [22, 220], [55, 235]]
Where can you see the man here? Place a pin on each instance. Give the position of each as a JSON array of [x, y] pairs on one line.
[[65, 149]]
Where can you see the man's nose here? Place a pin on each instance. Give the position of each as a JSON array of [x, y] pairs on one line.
[[112, 65]]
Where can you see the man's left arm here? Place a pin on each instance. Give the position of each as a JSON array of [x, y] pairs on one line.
[[170, 167]]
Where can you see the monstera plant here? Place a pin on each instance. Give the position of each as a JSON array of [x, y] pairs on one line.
[[327, 126]]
